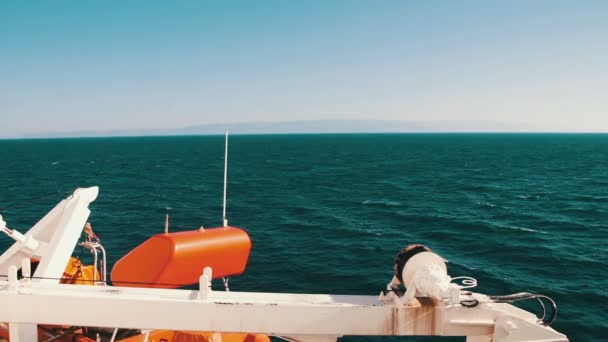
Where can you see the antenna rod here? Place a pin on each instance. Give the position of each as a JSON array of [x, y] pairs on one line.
[[167, 222], [224, 220]]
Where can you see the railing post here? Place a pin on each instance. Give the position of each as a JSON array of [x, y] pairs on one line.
[[13, 282], [204, 283]]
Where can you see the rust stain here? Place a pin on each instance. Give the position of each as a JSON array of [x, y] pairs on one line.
[[393, 322], [418, 318], [425, 317]]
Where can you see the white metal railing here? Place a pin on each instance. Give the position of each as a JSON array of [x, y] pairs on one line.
[[25, 301]]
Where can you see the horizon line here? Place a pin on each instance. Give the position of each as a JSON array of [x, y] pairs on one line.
[[307, 133]]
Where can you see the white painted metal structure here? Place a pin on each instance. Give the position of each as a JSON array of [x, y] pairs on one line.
[[296, 317], [53, 238], [51, 241]]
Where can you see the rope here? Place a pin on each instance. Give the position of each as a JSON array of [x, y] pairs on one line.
[[468, 282], [525, 296]]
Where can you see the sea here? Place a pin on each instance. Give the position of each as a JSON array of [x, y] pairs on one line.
[[327, 213]]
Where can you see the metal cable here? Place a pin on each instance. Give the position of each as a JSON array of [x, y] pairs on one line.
[[516, 297], [96, 281]]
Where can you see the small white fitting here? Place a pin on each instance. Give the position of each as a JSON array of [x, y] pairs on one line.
[[204, 283]]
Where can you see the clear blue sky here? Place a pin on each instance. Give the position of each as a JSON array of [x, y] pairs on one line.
[[82, 65]]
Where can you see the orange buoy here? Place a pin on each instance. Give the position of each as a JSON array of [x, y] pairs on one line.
[[174, 260]]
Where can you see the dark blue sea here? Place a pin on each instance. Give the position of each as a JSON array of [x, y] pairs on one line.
[[328, 213]]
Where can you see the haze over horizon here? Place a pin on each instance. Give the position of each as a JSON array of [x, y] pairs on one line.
[[136, 66], [303, 126]]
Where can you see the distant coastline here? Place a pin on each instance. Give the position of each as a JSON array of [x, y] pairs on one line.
[[309, 127]]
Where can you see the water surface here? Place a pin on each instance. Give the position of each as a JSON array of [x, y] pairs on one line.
[[328, 213]]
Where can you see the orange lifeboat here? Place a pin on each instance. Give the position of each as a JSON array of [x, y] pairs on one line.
[[173, 260]]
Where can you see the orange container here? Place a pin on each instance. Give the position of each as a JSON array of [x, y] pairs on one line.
[[177, 259], [77, 273]]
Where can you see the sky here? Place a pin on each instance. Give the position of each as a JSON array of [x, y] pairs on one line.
[[115, 65]]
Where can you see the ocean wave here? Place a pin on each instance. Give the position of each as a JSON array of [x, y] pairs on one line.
[[382, 202], [524, 229], [591, 198], [486, 205], [528, 197]]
